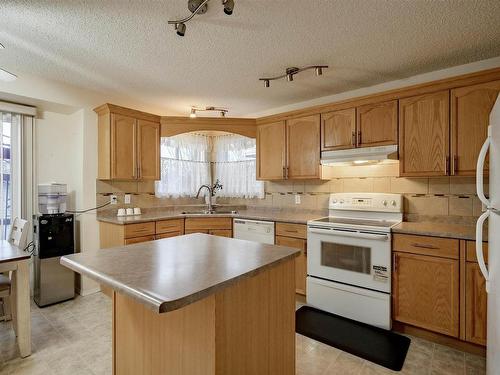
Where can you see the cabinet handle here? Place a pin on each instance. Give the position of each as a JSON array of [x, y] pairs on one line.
[[284, 172], [455, 164], [353, 138], [359, 137], [446, 165], [291, 231], [425, 246], [395, 262], [287, 172]]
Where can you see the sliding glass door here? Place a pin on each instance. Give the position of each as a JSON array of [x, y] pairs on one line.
[[9, 160]]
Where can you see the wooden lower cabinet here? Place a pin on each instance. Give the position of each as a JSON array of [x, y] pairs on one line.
[[168, 235], [221, 232], [295, 235], [475, 304], [217, 226], [426, 292], [300, 261]]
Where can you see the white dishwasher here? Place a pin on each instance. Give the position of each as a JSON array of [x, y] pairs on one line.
[[254, 230]]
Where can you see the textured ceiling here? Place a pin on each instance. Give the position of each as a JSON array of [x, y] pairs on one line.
[[127, 47]]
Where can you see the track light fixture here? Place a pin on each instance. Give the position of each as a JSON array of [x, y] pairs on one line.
[[290, 72], [198, 7], [222, 111]]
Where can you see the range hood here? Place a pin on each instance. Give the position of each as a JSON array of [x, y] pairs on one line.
[[361, 155]]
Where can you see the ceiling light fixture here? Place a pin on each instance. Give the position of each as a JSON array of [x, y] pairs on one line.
[[7, 76], [222, 111], [198, 7], [290, 72]]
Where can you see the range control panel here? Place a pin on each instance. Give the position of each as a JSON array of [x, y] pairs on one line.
[[380, 202]]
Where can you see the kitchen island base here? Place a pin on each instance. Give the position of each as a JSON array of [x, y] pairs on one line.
[[247, 328]]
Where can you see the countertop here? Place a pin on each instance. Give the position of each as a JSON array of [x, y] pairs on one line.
[[169, 274], [10, 253], [288, 216], [463, 232]]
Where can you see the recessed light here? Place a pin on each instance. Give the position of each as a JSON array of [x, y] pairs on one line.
[[7, 76]]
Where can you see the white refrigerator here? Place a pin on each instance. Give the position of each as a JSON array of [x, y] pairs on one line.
[[491, 272]]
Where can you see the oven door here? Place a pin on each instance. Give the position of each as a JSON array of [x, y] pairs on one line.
[[351, 257]]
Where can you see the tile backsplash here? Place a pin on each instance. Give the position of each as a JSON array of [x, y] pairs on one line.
[[442, 199]]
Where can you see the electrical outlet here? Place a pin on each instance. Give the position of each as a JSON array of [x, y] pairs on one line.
[[127, 199], [297, 198], [113, 199]]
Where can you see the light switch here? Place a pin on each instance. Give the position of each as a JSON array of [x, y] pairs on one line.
[[127, 199]]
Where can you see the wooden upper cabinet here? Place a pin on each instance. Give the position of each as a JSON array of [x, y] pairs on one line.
[[424, 135], [271, 149], [128, 144], [475, 304], [377, 124], [338, 130], [148, 150], [426, 292], [303, 147], [123, 147], [470, 112]]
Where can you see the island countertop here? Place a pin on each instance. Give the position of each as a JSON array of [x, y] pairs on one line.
[[169, 274]]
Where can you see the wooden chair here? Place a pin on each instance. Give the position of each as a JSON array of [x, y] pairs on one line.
[[17, 237]]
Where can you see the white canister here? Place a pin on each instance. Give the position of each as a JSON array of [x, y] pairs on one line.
[[137, 211], [130, 211], [121, 212]]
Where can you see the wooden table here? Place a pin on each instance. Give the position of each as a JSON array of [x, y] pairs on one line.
[[15, 260]]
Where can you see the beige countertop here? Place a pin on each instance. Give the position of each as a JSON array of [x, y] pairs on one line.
[[284, 215], [464, 232], [169, 274]]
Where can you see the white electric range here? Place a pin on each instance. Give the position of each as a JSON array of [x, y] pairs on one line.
[[349, 256]]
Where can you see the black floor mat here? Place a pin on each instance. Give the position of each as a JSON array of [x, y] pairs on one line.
[[374, 344]]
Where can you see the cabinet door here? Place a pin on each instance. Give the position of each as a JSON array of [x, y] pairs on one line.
[[377, 124], [338, 130], [426, 292], [189, 231], [300, 261], [221, 232], [271, 151], [303, 147], [470, 112], [123, 147], [424, 135], [475, 304], [148, 150]]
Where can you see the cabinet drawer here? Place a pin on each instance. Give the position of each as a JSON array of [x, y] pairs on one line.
[[140, 229], [172, 225], [167, 235], [131, 241], [208, 223], [222, 232], [471, 251], [434, 246], [291, 230]]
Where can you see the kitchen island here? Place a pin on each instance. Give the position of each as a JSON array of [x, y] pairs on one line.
[[198, 304]]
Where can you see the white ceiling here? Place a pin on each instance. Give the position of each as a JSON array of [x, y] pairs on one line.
[[127, 47]]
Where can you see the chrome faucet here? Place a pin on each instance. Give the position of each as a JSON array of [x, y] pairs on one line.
[[210, 191]]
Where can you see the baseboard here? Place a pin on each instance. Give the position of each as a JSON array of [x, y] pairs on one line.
[[88, 291], [439, 338]]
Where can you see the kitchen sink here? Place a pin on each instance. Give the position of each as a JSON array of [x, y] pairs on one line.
[[209, 213]]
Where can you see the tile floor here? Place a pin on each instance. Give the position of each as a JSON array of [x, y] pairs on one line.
[[75, 338]]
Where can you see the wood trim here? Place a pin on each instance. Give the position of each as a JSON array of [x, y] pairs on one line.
[[171, 125], [439, 338], [112, 108], [418, 89]]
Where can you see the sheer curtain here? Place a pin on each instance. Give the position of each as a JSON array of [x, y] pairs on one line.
[[185, 165], [234, 167]]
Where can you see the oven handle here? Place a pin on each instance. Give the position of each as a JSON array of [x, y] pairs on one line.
[[370, 236]]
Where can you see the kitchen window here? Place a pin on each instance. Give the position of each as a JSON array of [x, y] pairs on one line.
[[193, 159]]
